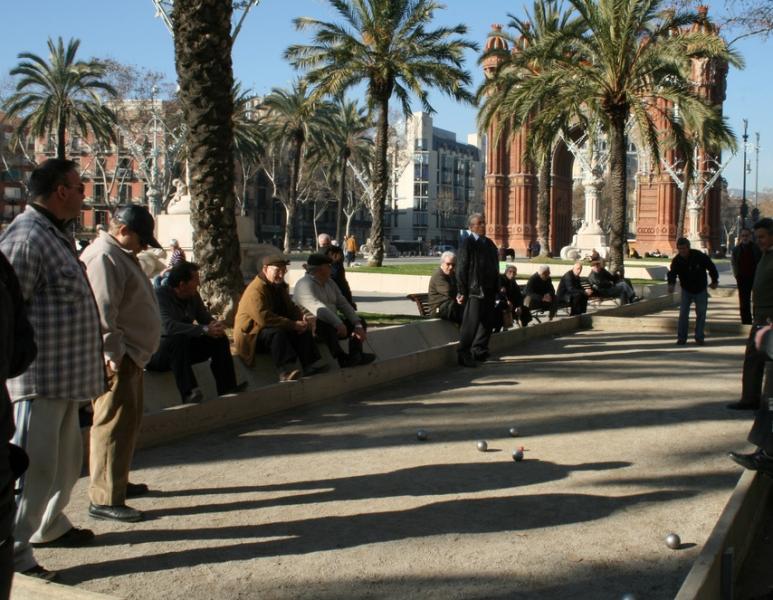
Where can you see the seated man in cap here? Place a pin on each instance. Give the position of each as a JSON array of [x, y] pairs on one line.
[[320, 296], [605, 284], [540, 293], [189, 334], [267, 320], [442, 290]]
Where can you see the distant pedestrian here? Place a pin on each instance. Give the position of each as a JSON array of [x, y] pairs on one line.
[[744, 259], [131, 327], [351, 250], [691, 266], [69, 369], [477, 276], [323, 241]]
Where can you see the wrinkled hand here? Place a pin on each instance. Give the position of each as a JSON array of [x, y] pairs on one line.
[[359, 333], [300, 326], [547, 298], [459, 299], [112, 367], [216, 329], [761, 334]]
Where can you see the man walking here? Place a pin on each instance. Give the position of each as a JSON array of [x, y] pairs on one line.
[[754, 362], [691, 266], [477, 277], [131, 327], [69, 368], [744, 259]]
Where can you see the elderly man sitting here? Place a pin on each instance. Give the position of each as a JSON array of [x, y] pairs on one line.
[[318, 294], [605, 284], [571, 292], [540, 293], [267, 320], [442, 290]]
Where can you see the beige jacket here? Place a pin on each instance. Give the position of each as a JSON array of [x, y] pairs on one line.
[[128, 310]]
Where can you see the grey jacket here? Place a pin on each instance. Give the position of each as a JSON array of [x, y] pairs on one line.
[[323, 301], [128, 311]]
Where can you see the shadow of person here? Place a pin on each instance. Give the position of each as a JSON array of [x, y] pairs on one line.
[[322, 533], [423, 480]]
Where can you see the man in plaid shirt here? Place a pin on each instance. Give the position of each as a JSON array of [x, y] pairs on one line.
[[68, 369]]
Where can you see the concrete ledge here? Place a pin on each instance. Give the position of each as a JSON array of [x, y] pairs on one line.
[[741, 515], [31, 588]]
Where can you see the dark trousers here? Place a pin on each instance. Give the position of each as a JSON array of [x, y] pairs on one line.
[[6, 568], [328, 334], [477, 324], [745, 298], [451, 311], [578, 303], [288, 346], [762, 431], [753, 371], [178, 352], [535, 302]]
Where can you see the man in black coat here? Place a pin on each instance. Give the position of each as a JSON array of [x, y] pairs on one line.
[[442, 292], [477, 276], [540, 293], [570, 290], [744, 259], [690, 266]]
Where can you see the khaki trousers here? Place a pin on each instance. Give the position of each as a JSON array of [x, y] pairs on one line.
[[117, 419]]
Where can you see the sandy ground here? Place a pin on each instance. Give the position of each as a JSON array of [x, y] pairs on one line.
[[625, 436]]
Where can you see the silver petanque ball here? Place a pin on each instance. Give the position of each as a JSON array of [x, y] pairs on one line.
[[673, 541], [482, 445], [518, 455], [513, 432], [422, 435], [628, 597]]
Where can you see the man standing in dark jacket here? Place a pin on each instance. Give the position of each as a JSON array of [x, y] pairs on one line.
[[691, 267], [477, 276], [744, 261]]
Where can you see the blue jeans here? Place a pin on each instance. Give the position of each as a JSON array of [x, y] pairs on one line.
[[701, 300]]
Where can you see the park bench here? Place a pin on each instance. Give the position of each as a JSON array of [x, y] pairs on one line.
[[422, 303]]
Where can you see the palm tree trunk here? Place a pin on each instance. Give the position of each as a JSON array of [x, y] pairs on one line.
[[202, 40], [61, 134], [381, 174], [617, 159], [543, 206]]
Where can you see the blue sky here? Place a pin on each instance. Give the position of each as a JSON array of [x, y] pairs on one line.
[[127, 31]]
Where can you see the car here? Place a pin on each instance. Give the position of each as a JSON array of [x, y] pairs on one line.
[[438, 250]]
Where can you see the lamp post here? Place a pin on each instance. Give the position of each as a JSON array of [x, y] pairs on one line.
[[154, 193], [744, 206], [756, 168]]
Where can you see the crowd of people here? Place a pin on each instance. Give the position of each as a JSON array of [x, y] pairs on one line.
[[83, 329]]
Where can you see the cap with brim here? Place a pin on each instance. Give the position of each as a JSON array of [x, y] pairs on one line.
[[276, 260], [316, 260], [140, 221]]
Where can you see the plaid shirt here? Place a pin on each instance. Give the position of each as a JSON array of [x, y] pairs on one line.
[[62, 311]]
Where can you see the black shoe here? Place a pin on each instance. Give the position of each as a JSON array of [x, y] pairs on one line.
[[741, 405], [465, 360], [40, 573], [344, 361], [72, 538], [118, 512], [365, 359], [681, 342], [482, 357], [309, 371], [136, 489], [756, 461], [700, 342], [194, 397], [240, 387]]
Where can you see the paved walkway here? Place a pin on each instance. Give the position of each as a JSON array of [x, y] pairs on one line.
[[624, 435]]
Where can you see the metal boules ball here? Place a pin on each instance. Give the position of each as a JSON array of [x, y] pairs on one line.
[[513, 432], [482, 445], [422, 435], [628, 597], [673, 541], [518, 455]]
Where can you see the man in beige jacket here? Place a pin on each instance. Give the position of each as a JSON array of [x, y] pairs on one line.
[[131, 328]]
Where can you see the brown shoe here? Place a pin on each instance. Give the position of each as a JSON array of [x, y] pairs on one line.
[[293, 375]]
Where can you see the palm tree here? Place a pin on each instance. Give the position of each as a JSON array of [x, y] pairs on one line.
[[546, 20], [60, 94], [295, 117], [249, 136], [350, 136], [202, 42], [622, 60], [387, 45]]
